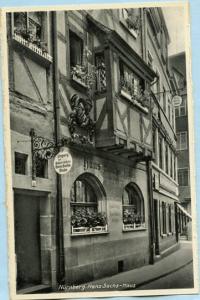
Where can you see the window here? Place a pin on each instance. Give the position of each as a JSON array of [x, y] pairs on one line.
[[156, 85], [171, 164], [100, 72], [164, 100], [133, 208], [150, 60], [21, 163], [183, 175], [170, 218], [87, 208], [163, 46], [41, 167], [130, 82], [130, 18], [28, 25], [166, 159], [180, 111], [160, 153], [182, 140], [76, 49], [175, 167], [154, 139], [169, 111], [164, 225]]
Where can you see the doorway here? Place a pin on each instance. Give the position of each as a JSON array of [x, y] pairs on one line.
[[27, 240], [156, 227]]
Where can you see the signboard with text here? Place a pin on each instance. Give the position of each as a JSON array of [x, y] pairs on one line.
[[63, 162]]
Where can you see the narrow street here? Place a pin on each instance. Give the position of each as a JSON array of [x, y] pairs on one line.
[[178, 279]]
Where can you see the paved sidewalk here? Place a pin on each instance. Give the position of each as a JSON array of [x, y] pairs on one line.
[[137, 277]]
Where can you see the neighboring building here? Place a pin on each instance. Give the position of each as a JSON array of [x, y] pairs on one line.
[[164, 165], [95, 83], [178, 71]]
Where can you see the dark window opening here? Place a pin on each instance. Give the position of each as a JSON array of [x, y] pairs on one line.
[[183, 177], [120, 266], [76, 49], [166, 160], [21, 163], [170, 219], [41, 168], [160, 153], [164, 225]]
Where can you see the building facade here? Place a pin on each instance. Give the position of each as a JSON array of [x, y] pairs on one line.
[[178, 71], [97, 83]]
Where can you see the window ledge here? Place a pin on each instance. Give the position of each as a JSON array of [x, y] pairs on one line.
[[77, 80], [134, 102], [33, 48], [170, 233], [132, 227], [82, 231], [163, 235]]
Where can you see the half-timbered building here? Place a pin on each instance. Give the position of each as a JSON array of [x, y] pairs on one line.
[[93, 82]]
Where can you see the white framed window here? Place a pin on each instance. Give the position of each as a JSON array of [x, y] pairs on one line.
[[183, 176], [182, 140], [133, 208]]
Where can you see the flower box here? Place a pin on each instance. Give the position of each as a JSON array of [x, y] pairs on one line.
[[89, 230], [129, 97], [134, 226], [32, 47], [79, 80]]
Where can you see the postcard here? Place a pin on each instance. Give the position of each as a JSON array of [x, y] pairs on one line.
[[99, 150]]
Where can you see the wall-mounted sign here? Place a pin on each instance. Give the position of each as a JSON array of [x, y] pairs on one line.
[[177, 100], [63, 162]]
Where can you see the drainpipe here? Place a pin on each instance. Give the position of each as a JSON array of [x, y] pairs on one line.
[[151, 211], [60, 267]]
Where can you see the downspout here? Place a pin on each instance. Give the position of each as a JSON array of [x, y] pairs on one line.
[[60, 268], [151, 211]]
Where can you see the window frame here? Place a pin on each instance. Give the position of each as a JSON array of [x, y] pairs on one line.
[[123, 21], [133, 226], [96, 210], [182, 146], [182, 177]]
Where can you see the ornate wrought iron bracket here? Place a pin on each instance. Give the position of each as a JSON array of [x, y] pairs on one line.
[[42, 148]]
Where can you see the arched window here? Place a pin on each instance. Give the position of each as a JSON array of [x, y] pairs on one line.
[[88, 209], [133, 208]]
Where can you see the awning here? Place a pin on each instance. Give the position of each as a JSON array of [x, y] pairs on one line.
[[184, 211]]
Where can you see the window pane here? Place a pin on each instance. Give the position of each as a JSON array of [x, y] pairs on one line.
[[20, 163], [76, 50]]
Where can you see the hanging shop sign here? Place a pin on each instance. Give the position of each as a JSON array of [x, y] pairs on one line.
[[63, 162], [177, 100]]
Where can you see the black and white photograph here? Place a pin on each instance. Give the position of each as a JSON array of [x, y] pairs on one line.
[[99, 151]]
